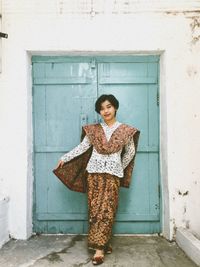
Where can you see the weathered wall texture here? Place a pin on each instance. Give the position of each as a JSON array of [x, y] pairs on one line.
[[168, 28]]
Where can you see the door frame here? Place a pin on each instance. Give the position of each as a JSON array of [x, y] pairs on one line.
[[164, 217]]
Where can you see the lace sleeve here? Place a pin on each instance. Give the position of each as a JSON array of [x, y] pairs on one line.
[[78, 150], [129, 153]]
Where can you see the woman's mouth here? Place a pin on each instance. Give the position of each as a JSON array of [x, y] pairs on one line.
[[106, 115]]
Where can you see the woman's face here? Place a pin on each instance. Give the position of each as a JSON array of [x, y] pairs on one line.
[[107, 111]]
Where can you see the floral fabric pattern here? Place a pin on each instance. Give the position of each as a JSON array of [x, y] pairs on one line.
[[73, 173], [103, 198], [112, 163]]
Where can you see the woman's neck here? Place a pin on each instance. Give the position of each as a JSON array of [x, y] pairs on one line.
[[111, 122]]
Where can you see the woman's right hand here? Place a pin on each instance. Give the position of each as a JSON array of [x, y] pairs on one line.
[[60, 164]]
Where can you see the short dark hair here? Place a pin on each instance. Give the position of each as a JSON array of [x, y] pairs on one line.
[[111, 98]]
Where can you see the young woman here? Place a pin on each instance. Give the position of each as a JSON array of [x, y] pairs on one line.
[[105, 157]]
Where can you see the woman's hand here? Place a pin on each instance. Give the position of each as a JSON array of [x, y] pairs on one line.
[[60, 164]]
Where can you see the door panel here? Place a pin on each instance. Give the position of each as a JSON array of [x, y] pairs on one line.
[[64, 96], [64, 93], [135, 85]]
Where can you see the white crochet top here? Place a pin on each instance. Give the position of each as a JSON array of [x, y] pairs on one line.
[[100, 163]]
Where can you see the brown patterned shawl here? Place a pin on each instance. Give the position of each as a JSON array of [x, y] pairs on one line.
[[73, 173]]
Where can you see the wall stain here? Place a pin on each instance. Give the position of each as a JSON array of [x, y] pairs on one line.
[[184, 209], [54, 256], [191, 71], [174, 229], [187, 224], [171, 13]]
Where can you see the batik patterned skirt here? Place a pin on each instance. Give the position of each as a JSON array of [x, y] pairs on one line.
[[103, 196]]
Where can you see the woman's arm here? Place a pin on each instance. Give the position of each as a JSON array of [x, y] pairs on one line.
[[78, 150], [129, 153]]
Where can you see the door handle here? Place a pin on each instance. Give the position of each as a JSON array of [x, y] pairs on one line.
[[84, 119]]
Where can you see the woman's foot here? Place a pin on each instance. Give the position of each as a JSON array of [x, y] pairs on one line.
[[108, 249], [98, 257]]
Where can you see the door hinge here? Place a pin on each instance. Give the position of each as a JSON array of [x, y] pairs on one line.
[[157, 205], [93, 63], [3, 35], [158, 100]]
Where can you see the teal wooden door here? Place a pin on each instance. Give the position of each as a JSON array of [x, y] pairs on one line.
[[64, 93]]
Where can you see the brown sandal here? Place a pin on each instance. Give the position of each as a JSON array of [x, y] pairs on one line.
[[96, 260]]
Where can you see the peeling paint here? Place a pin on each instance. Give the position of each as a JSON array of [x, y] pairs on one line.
[[185, 12], [195, 23], [195, 28], [184, 193]]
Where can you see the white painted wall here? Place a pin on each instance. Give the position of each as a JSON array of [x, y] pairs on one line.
[[53, 27], [4, 231]]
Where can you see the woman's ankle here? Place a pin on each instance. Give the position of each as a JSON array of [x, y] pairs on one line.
[[99, 251]]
